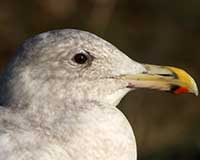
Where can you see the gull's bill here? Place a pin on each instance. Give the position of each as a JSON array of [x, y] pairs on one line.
[[163, 78]]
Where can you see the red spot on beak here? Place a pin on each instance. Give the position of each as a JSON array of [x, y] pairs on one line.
[[181, 90]]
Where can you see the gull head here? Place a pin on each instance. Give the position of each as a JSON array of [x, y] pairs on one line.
[[73, 66]]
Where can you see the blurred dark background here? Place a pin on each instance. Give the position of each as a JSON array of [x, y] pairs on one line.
[[163, 32]]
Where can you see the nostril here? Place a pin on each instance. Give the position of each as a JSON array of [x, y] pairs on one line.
[[144, 72]]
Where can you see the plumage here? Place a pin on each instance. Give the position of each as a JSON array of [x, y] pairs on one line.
[[55, 106]]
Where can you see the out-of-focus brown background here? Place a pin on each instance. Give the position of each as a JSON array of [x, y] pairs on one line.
[[163, 32]]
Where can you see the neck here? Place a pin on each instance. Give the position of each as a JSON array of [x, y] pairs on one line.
[[100, 131], [91, 130]]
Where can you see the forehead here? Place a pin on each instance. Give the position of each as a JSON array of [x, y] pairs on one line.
[[64, 40]]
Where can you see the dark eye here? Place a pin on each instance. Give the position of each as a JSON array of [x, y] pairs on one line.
[[80, 58]]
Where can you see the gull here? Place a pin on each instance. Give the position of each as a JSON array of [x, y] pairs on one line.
[[59, 94]]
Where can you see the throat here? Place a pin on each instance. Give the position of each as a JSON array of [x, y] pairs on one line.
[[100, 131]]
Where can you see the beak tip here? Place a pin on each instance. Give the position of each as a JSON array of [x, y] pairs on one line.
[[190, 88], [186, 80], [194, 88], [196, 91]]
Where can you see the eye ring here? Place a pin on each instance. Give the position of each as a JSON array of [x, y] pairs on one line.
[[80, 58]]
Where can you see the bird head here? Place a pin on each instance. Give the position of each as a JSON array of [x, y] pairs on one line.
[[72, 66]]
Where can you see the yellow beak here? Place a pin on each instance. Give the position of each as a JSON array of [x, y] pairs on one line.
[[163, 78]]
